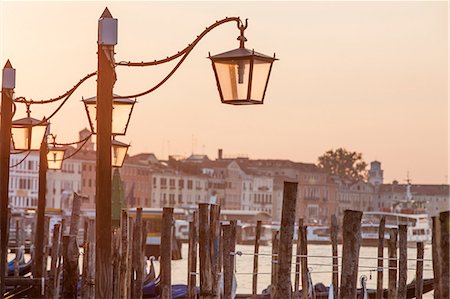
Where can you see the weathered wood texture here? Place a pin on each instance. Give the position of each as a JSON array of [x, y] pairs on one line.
[[51, 284], [297, 259], [116, 263], [75, 217], [166, 253], [256, 259], [403, 260], [419, 270], [334, 251], [229, 247], [304, 260], [435, 252], [351, 238], [274, 268], [70, 276], [18, 244], [380, 261], [137, 262], [284, 284], [85, 271], [215, 249], [444, 219], [38, 259], [192, 257], [124, 271], [392, 264], [204, 252]]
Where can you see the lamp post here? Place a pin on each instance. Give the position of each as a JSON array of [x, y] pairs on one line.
[[106, 77], [242, 76], [8, 85]]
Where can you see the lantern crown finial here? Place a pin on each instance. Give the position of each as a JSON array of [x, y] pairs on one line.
[[106, 14], [8, 65]]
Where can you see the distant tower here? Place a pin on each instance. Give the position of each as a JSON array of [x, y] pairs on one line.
[[89, 146], [375, 173]]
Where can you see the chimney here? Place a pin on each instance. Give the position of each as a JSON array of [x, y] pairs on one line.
[[219, 154]]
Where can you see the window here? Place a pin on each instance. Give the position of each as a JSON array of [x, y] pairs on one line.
[[154, 182], [172, 183], [189, 184], [163, 183], [180, 184]]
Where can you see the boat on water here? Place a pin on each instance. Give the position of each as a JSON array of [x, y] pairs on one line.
[[418, 226]]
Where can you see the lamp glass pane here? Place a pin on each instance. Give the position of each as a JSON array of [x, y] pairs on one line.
[[37, 135], [259, 79], [55, 158], [118, 154], [20, 137], [233, 76], [120, 116]]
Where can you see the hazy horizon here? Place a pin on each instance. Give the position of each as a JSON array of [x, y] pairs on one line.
[[371, 77]]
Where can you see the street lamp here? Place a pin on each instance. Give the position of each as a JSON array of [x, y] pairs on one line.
[[118, 153], [242, 75], [28, 133], [122, 109], [55, 157]]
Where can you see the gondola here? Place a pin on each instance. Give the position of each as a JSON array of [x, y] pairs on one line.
[[24, 268]]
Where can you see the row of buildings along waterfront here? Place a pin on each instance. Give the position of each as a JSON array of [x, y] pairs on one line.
[[235, 183]]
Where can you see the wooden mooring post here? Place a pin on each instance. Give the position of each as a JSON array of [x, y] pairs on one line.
[[297, 259], [229, 247], [70, 276], [351, 238], [166, 254], [435, 247], [403, 260], [204, 251], [444, 218], [284, 284], [136, 256], [419, 270], [85, 271], [192, 257], [392, 264], [274, 266], [334, 251], [17, 251], [51, 285], [256, 259], [380, 261], [215, 254], [124, 248], [304, 260]]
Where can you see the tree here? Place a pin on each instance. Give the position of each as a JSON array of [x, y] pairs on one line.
[[343, 163]]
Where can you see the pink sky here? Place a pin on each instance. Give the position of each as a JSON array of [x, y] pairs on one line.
[[368, 76]]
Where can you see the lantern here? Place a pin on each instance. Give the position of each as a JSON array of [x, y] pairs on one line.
[[28, 133], [55, 157], [242, 76], [118, 153], [121, 114]]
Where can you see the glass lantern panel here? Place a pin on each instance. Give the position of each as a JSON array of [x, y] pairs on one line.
[[55, 159], [260, 76], [92, 110], [120, 116], [118, 154], [233, 76], [37, 135], [20, 137]]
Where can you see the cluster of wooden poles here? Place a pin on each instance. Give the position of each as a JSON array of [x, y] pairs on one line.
[[214, 244]]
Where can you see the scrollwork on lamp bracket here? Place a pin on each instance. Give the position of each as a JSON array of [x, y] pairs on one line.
[[184, 53], [189, 47]]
